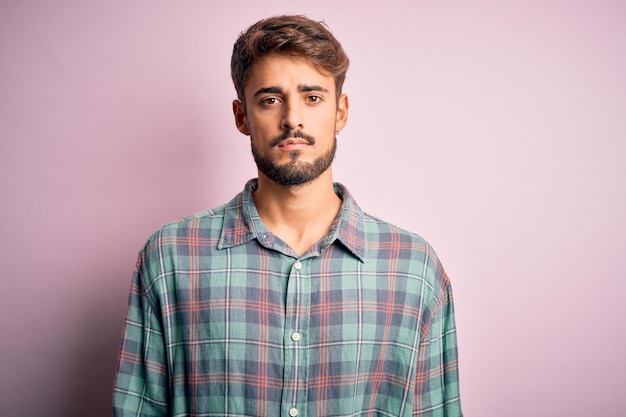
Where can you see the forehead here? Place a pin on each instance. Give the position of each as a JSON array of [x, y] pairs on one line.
[[286, 72]]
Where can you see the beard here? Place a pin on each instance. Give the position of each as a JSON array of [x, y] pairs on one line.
[[294, 172]]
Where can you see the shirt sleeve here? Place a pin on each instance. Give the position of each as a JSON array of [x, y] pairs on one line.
[[437, 376], [141, 381]]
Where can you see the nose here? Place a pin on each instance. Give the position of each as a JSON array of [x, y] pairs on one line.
[[292, 117]]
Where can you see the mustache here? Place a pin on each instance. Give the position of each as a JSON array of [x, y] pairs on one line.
[[293, 134]]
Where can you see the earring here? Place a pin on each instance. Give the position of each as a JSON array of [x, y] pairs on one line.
[[337, 132]]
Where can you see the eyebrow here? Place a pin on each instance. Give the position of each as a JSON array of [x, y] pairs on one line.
[[265, 90], [306, 88], [302, 88]]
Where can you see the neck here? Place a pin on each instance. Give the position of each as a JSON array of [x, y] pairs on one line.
[[299, 215]]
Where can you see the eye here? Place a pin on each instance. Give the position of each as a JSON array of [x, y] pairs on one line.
[[314, 99], [268, 101]]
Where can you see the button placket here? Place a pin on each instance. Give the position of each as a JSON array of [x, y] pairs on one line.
[[296, 324]]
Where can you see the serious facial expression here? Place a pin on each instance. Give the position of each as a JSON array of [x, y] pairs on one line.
[[291, 113]]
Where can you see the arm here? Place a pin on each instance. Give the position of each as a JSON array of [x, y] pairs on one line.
[[437, 376], [141, 381]]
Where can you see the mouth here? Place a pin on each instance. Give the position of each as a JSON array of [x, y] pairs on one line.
[[293, 138], [293, 144], [293, 141]]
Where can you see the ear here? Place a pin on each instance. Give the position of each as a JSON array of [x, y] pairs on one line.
[[343, 105], [241, 120]]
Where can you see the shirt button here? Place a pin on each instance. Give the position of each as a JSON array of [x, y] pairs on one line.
[[295, 336], [293, 412], [298, 266]]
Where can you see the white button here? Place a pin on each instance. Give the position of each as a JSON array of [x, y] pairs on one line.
[[298, 266], [295, 336], [293, 412]]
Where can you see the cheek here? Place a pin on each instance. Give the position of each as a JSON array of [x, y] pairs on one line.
[[325, 121], [259, 124]]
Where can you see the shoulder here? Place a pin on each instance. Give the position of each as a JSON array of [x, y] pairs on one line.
[[203, 228], [383, 234], [205, 222], [409, 252], [171, 245]]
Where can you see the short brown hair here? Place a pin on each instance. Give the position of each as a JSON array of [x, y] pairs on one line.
[[296, 36]]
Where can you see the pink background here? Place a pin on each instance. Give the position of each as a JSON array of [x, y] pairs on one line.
[[496, 129]]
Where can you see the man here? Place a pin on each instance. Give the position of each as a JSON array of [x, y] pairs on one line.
[[289, 300]]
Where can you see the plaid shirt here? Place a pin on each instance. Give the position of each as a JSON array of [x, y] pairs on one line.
[[225, 319]]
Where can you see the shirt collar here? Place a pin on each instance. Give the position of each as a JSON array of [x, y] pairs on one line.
[[242, 223]]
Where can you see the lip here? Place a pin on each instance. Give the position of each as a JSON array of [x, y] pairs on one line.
[[293, 144]]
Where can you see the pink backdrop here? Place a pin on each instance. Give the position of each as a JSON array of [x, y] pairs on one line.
[[497, 130]]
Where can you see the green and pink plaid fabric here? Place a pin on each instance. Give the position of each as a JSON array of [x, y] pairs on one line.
[[225, 319]]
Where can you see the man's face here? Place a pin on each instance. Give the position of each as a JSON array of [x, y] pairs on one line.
[[291, 114]]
